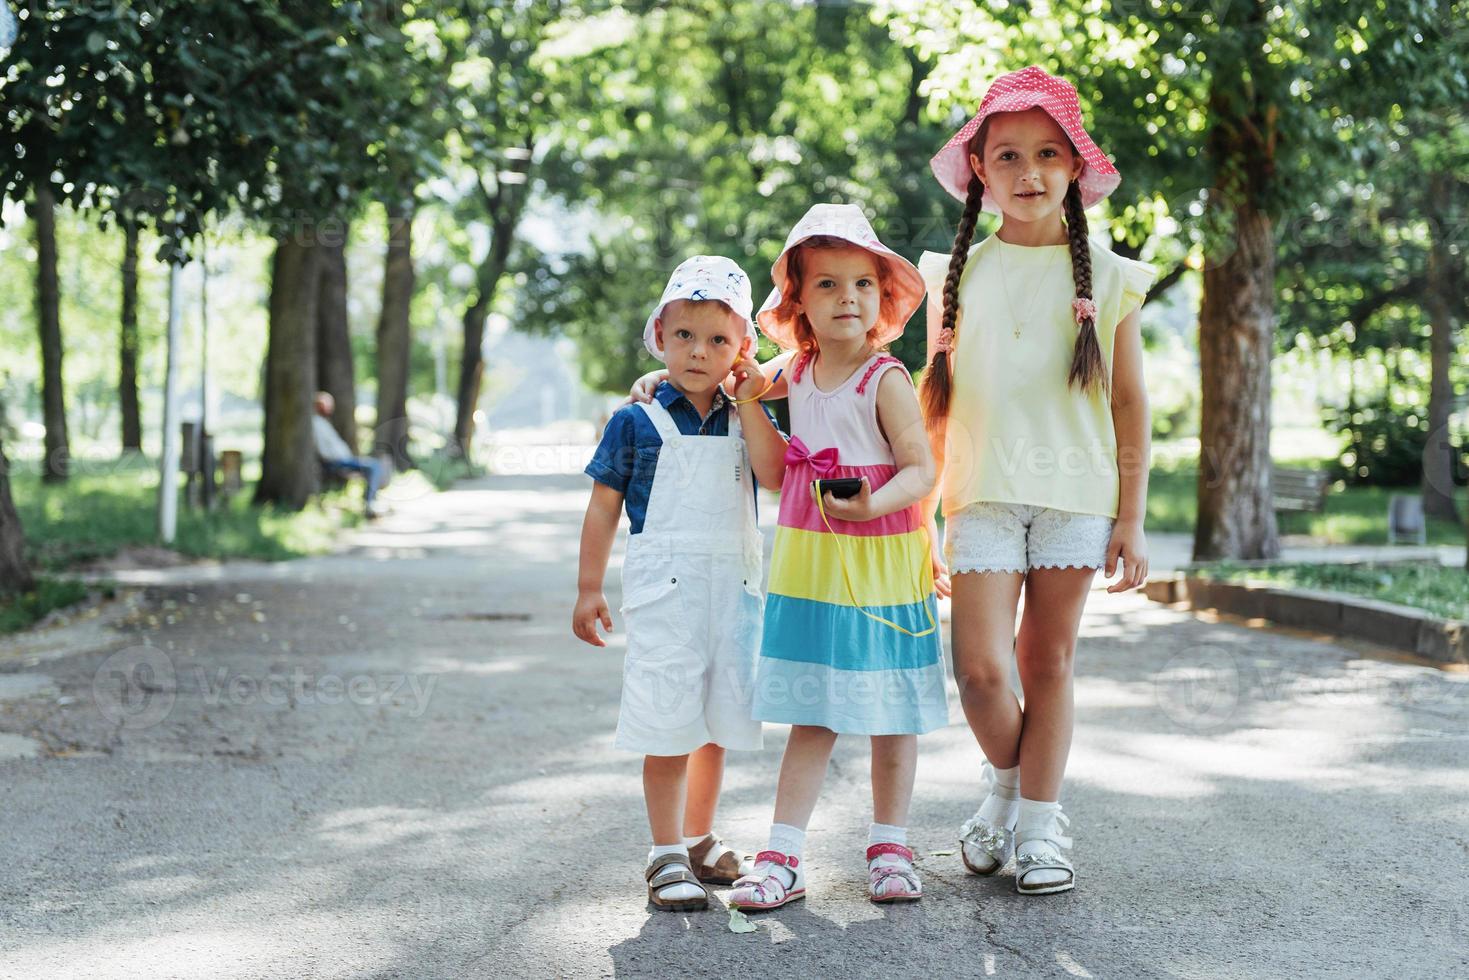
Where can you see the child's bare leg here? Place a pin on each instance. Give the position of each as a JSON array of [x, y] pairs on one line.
[[1045, 651], [664, 778], [802, 770], [984, 637], [894, 762], [705, 777], [891, 874]]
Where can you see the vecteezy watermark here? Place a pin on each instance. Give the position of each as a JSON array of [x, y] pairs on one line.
[[1201, 687], [137, 687], [299, 687]]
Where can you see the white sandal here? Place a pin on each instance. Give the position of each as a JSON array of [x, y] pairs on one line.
[[1046, 858], [879, 877], [763, 889], [985, 847]]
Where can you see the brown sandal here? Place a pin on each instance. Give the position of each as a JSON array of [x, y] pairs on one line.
[[726, 871], [683, 874]]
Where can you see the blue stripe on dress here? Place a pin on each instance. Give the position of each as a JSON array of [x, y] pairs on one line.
[[839, 636], [868, 702]]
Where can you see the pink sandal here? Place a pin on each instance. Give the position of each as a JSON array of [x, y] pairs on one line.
[[762, 889], [882, 877]]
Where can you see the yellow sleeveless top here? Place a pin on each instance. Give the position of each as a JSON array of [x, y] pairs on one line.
[[1017, 433]]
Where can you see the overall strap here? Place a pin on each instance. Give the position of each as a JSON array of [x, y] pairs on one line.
[[661, 420]]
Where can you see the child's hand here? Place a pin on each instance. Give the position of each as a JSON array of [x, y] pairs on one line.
[[855, 508], [749, 381], [1131, 546], [941, 582], [591, 608], [643, 388]]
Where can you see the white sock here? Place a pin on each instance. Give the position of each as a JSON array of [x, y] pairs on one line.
[[884, 833], [1007, 781], [1038, 813], [787, 840], [1002, 806], [681, 889], [719, 850]]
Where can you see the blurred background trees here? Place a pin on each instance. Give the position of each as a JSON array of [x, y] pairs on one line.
[[390, 192]]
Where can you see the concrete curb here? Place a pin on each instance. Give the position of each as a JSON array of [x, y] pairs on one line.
[[1443, 641]]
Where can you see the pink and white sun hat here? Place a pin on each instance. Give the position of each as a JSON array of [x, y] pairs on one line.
[[847, 222], [700, 278], [1028, 88]]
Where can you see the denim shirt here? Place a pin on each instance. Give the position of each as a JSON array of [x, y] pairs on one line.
[[627, 457]]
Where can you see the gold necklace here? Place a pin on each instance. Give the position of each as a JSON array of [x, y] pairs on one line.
[[1005, 285]]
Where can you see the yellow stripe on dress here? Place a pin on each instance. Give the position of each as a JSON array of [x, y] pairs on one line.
[[892, 570]]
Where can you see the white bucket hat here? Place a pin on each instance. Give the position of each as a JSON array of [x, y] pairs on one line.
[[701, 278], [847, 222]]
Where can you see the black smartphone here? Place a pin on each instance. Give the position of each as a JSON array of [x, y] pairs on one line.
[[847, 486]]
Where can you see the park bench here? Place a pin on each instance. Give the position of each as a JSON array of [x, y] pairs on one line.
[[1298, 490]]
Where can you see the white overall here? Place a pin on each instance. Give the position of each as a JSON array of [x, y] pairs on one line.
[[692, 603]]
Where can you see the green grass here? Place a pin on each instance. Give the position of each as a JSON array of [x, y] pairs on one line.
[[1438, 589], [19, 612], [1353, 515], [112, 505]]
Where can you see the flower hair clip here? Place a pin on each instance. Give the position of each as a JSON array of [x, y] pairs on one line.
[[1085, 309], [945, 343]]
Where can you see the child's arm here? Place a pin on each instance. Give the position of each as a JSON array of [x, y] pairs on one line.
[[766, 446], [935, 267], [929, 506], [902, 423], [643, 388], [598, 530], [1133, 425]]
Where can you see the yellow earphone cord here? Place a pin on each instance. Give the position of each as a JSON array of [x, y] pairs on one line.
[[847, 578]]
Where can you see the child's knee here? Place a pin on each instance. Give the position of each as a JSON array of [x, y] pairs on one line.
[[1045, 663], [982, 681]]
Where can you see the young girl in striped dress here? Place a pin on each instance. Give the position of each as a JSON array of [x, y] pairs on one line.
[[851, 643]]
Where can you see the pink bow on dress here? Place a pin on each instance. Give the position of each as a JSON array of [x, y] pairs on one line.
[[822, 462]]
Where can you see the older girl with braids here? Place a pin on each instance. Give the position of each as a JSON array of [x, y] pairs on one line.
[[1037, 413]]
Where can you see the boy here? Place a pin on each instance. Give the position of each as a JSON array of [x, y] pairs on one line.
[[691, 578]]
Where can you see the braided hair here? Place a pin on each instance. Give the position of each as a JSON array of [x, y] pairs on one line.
[[1088, 371], [937, 380]]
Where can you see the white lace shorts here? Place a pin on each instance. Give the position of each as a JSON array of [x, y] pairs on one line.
[[991, 537]]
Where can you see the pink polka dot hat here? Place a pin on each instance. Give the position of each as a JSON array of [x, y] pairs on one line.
[[1028, 88]]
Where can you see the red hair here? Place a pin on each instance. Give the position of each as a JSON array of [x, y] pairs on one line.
[[888, 312]]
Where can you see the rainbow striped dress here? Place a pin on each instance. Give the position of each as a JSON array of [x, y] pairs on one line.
[[831, 655]]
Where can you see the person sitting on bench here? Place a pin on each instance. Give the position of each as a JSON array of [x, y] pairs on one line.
[[338, 457]]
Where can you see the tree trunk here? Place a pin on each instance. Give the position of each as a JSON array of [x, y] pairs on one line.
[[394, 337], [15, 577], [471, 365], [471, 374], [127, 380], [288, 466], [1236, 341], [55, 467], [1237, 337], [1438, 462], [334, 367]]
